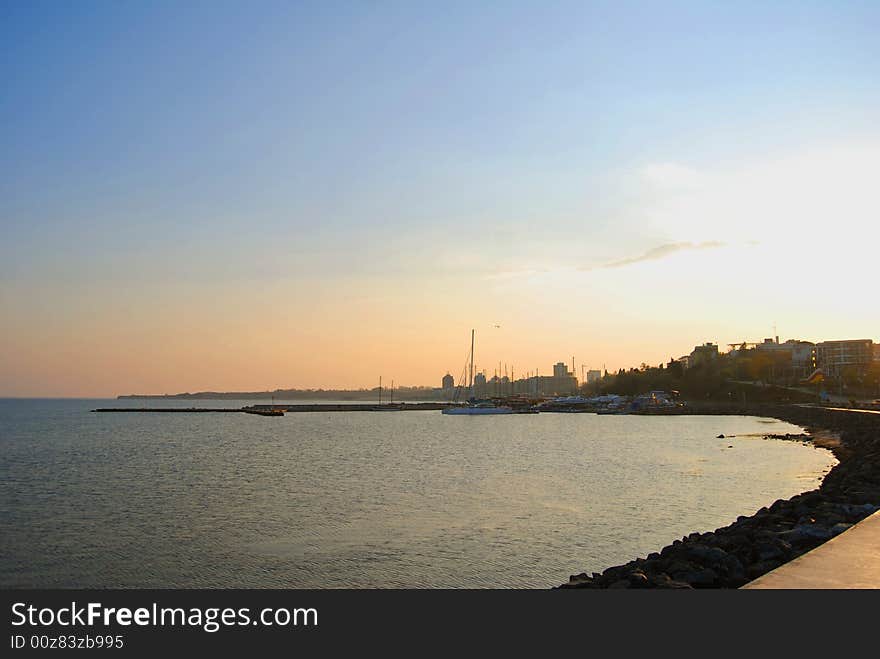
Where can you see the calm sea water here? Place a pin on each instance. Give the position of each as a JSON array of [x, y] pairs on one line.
[[367, 499]]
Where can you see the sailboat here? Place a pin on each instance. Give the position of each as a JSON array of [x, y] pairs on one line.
[[475, 407], [388, 407]]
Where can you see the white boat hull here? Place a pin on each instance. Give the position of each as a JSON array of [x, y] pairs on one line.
[[477, 411]]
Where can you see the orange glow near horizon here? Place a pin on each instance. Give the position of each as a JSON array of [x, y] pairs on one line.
[[253, 343]]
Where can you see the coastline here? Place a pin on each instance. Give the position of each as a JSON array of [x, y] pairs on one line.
[[734, 555]]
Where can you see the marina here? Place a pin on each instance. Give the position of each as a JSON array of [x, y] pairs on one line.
[[654, 403]]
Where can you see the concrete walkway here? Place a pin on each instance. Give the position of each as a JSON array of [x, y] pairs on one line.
[[849, 560], [853, 409]]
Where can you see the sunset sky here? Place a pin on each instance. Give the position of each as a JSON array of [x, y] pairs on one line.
[[250, 196]]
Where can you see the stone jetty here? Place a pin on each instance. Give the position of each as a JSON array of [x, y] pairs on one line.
[[732, 556]]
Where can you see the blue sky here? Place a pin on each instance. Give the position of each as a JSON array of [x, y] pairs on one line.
[[148, 144]]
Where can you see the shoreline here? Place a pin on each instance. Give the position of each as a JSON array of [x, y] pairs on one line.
[[734, 555]]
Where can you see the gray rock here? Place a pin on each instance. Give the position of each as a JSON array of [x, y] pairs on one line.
[[733, 567], [704, 577], [661, 580], [837, 529], [704, 554], [638, 580], [757, 569], [766, 551], [858, 510], [580, 578], [678, 568], [795, 537], [814, 531]]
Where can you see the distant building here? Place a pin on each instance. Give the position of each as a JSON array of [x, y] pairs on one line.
[[833, 357], [801, 355], [561, 383], [480, 386], [877, 352], [706, 353], [593, 376], [448, 382]]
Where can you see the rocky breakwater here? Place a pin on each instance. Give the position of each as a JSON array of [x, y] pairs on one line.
[[732, 556]]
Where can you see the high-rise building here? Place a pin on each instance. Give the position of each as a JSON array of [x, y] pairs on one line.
[[833, 357], [480, 385], [563, 381], [448, 382], [593, 376]]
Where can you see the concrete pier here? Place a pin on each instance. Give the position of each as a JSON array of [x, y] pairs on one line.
[[180, 410], [849, 560], [304, 407]]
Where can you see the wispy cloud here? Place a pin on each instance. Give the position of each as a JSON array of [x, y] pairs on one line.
[[663, 251]]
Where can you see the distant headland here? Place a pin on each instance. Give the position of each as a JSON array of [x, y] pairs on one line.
[[399, 394]]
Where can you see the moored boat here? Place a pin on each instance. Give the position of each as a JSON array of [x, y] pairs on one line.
[[480, 408]]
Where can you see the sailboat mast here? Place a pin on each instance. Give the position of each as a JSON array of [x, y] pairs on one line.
[[471, 371]]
